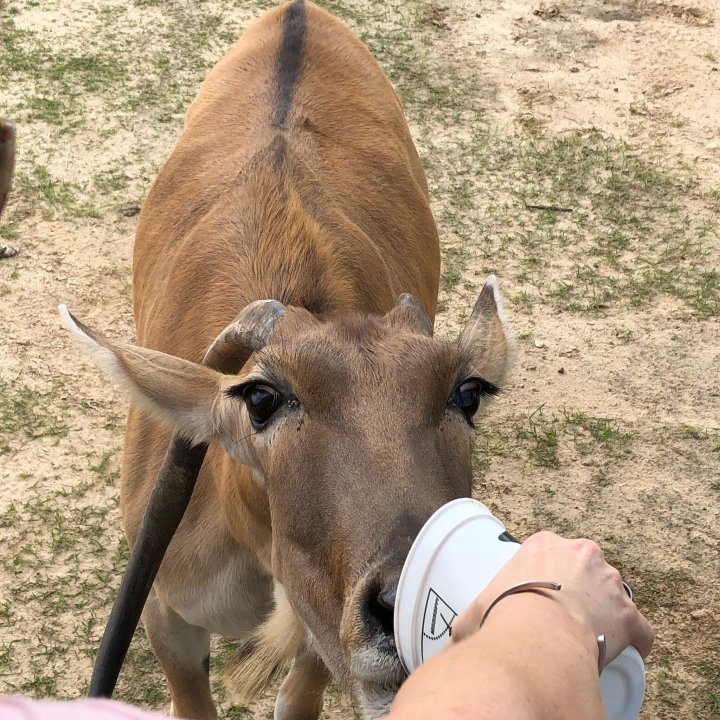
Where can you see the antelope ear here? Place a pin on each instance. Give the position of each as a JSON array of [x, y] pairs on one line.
[[485, 336], [178, 392]]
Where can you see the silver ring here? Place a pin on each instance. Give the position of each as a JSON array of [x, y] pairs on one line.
[[628, 590]]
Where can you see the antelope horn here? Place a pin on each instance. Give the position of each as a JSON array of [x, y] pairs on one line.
[[249, 331], [408, 308]]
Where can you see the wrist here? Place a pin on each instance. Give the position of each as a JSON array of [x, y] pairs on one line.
[[544, 611], [532, 660], [527, 586]]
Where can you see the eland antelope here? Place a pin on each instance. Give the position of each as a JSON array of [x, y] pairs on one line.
[[285, 278]]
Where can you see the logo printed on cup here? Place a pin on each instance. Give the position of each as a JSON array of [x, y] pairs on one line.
[[438, 618]]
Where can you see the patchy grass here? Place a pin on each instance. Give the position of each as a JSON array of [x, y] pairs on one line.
[[52, 196], [710, 690], [588, 221], [63, 78], [27, 413], [590, 432], [544, 436], [454, 264], [655, 589], [48, 532], [111, 181], [627, 234]]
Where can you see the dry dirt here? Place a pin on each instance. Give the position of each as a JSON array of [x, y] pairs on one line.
[[572, 148]]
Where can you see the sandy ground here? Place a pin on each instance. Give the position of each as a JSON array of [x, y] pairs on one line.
[[610, 426]]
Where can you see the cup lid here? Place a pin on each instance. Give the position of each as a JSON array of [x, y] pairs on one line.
[[414, 584]]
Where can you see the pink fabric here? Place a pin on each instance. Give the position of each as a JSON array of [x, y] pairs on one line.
[[15, 707]]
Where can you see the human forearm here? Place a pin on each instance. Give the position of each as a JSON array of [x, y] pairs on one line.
[[531, 661]]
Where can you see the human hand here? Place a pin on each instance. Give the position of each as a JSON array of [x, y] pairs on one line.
[[592, 593]]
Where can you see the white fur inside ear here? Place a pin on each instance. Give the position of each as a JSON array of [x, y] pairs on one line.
[[153, 379], [67, 321], [103, 356], [492, 281], [507, 330]]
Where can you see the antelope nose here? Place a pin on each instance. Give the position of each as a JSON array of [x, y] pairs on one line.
[[386, 597], [380, 608]]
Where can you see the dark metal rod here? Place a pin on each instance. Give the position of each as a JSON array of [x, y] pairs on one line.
[[169, 499]]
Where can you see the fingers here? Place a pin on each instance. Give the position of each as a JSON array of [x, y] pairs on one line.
[[593, 591], [637, 630], [630, 627], [643, 636]]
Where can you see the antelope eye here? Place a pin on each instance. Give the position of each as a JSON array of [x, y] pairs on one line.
[[262, 401], [467, 396]]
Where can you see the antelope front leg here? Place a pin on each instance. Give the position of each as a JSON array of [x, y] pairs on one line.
[[301, 693], [184, 653]]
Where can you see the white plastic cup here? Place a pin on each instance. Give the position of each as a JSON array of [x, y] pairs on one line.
[[455, 555]]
